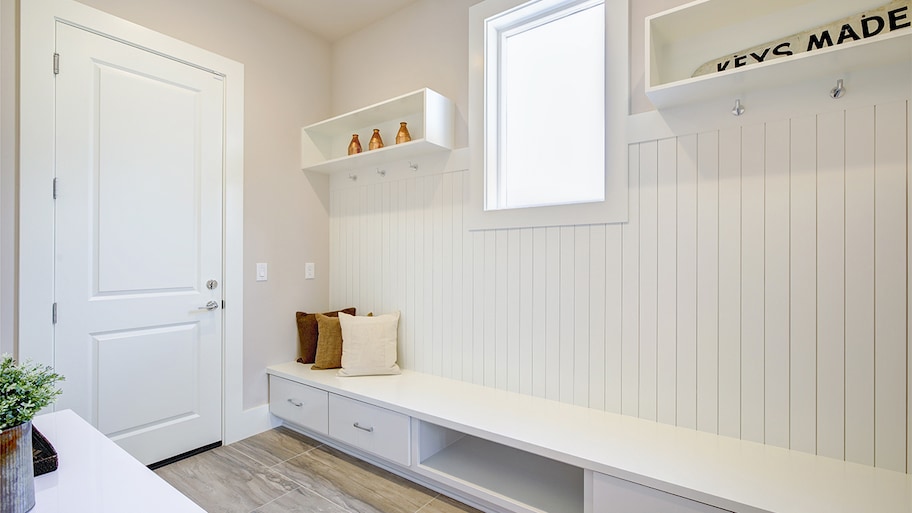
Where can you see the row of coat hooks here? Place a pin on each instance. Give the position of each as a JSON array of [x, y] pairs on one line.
[[835, 93], [382, 172]]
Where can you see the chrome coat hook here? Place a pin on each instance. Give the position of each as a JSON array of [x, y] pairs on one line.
[[838, 91], [381, 172], [352, 177], [413, 166], [739, 109]]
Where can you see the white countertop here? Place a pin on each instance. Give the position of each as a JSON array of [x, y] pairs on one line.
[[94, 475], [740, 475]]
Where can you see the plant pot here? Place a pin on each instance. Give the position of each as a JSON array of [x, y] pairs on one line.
[[17, 475]]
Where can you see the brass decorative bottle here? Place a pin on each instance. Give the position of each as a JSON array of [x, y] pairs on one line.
[[403, 134], [375, 142], [354, 146]]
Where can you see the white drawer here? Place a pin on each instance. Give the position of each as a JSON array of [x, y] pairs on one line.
[[299, 404], [611, 494], [376, 430]]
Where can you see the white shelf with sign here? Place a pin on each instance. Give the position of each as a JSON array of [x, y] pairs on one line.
[[680, 40], [429, 117]]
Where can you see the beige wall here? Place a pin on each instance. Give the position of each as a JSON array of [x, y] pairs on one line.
[[285, 211], [423, 45], [427, 45]]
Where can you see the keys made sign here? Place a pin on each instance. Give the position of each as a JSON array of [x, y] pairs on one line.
[[897, 15]]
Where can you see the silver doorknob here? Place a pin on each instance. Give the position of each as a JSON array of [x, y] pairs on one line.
[[211, 305]]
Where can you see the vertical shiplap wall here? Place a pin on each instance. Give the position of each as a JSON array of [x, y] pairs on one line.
[[759, 289]]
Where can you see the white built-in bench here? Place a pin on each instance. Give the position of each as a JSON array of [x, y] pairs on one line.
[[504, 451]]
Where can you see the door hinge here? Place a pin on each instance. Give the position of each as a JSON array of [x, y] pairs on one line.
[[55, 187], [56, 63], [223, 304], [54, 313]]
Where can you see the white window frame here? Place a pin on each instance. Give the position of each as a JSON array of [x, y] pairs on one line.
[[614, 208]]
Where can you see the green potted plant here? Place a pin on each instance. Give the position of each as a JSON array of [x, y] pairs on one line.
[[25, 388]]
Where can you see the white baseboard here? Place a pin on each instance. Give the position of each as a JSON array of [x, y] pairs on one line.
[[248, 423]]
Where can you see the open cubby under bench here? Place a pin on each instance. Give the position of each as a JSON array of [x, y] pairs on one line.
[[504, 451]]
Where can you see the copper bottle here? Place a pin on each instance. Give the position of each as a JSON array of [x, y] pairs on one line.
[[354, 146], [403, 134], [375, 142]]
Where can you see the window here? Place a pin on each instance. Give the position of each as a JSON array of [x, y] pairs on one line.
[[548, 106], [545, 78]]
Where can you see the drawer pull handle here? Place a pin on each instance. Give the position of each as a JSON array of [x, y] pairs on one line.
[[296, 403], [362, 428]]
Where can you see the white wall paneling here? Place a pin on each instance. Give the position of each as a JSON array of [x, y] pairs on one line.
[[526, 320], [539, 302], [614, 318], [859, 285], [478, 317], [648, 278], [581, 305], [686, 362], [830, 283], [630, 312], [890, 342], [803, 284], [758, 290], [752, 282], [501, 273], [909, 305], [552, 315], [461, 292], [730, 282], [666, 299], [595, 315], [776, 285], [707, 294], [567, 313], [489, 349]]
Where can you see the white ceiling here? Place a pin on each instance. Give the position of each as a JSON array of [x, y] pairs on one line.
[[334, 19]]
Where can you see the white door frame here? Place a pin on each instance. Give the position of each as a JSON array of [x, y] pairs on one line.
[[38, 19]]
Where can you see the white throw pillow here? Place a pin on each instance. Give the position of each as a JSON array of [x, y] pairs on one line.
[[369, 344]]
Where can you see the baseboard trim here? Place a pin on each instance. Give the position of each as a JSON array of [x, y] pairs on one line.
[[247, 423]]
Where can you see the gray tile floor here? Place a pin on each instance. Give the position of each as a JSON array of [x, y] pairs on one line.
[[282, 471]]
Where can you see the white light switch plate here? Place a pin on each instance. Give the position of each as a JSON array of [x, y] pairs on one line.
[[261, 272], [309, 271]]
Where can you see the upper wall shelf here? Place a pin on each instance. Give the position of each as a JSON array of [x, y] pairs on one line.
[[680, 40], [324, 145]]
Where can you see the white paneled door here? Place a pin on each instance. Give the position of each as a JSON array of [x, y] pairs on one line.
[[139, 244]]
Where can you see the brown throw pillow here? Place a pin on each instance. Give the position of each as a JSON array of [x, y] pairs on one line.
[[329, 343], [307, 333]]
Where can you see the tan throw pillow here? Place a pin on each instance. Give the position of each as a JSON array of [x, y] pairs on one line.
[[370, 344], [329, 343], [308, 333]]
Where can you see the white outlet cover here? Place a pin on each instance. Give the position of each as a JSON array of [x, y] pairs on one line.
[[309, 271]]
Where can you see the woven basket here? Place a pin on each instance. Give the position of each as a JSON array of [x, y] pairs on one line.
[[43, 454]]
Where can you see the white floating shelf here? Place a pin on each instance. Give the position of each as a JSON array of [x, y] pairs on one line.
[[680, 40], [429, 115]]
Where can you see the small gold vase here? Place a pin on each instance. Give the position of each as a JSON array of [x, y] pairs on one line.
[[355, 145], [403, 134], [375, 142]]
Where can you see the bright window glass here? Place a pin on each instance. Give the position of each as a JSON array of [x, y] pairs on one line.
[[546, 133]]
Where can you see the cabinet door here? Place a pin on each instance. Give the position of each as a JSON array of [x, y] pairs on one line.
[[613, 495], [377, 430], [299, 404]]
